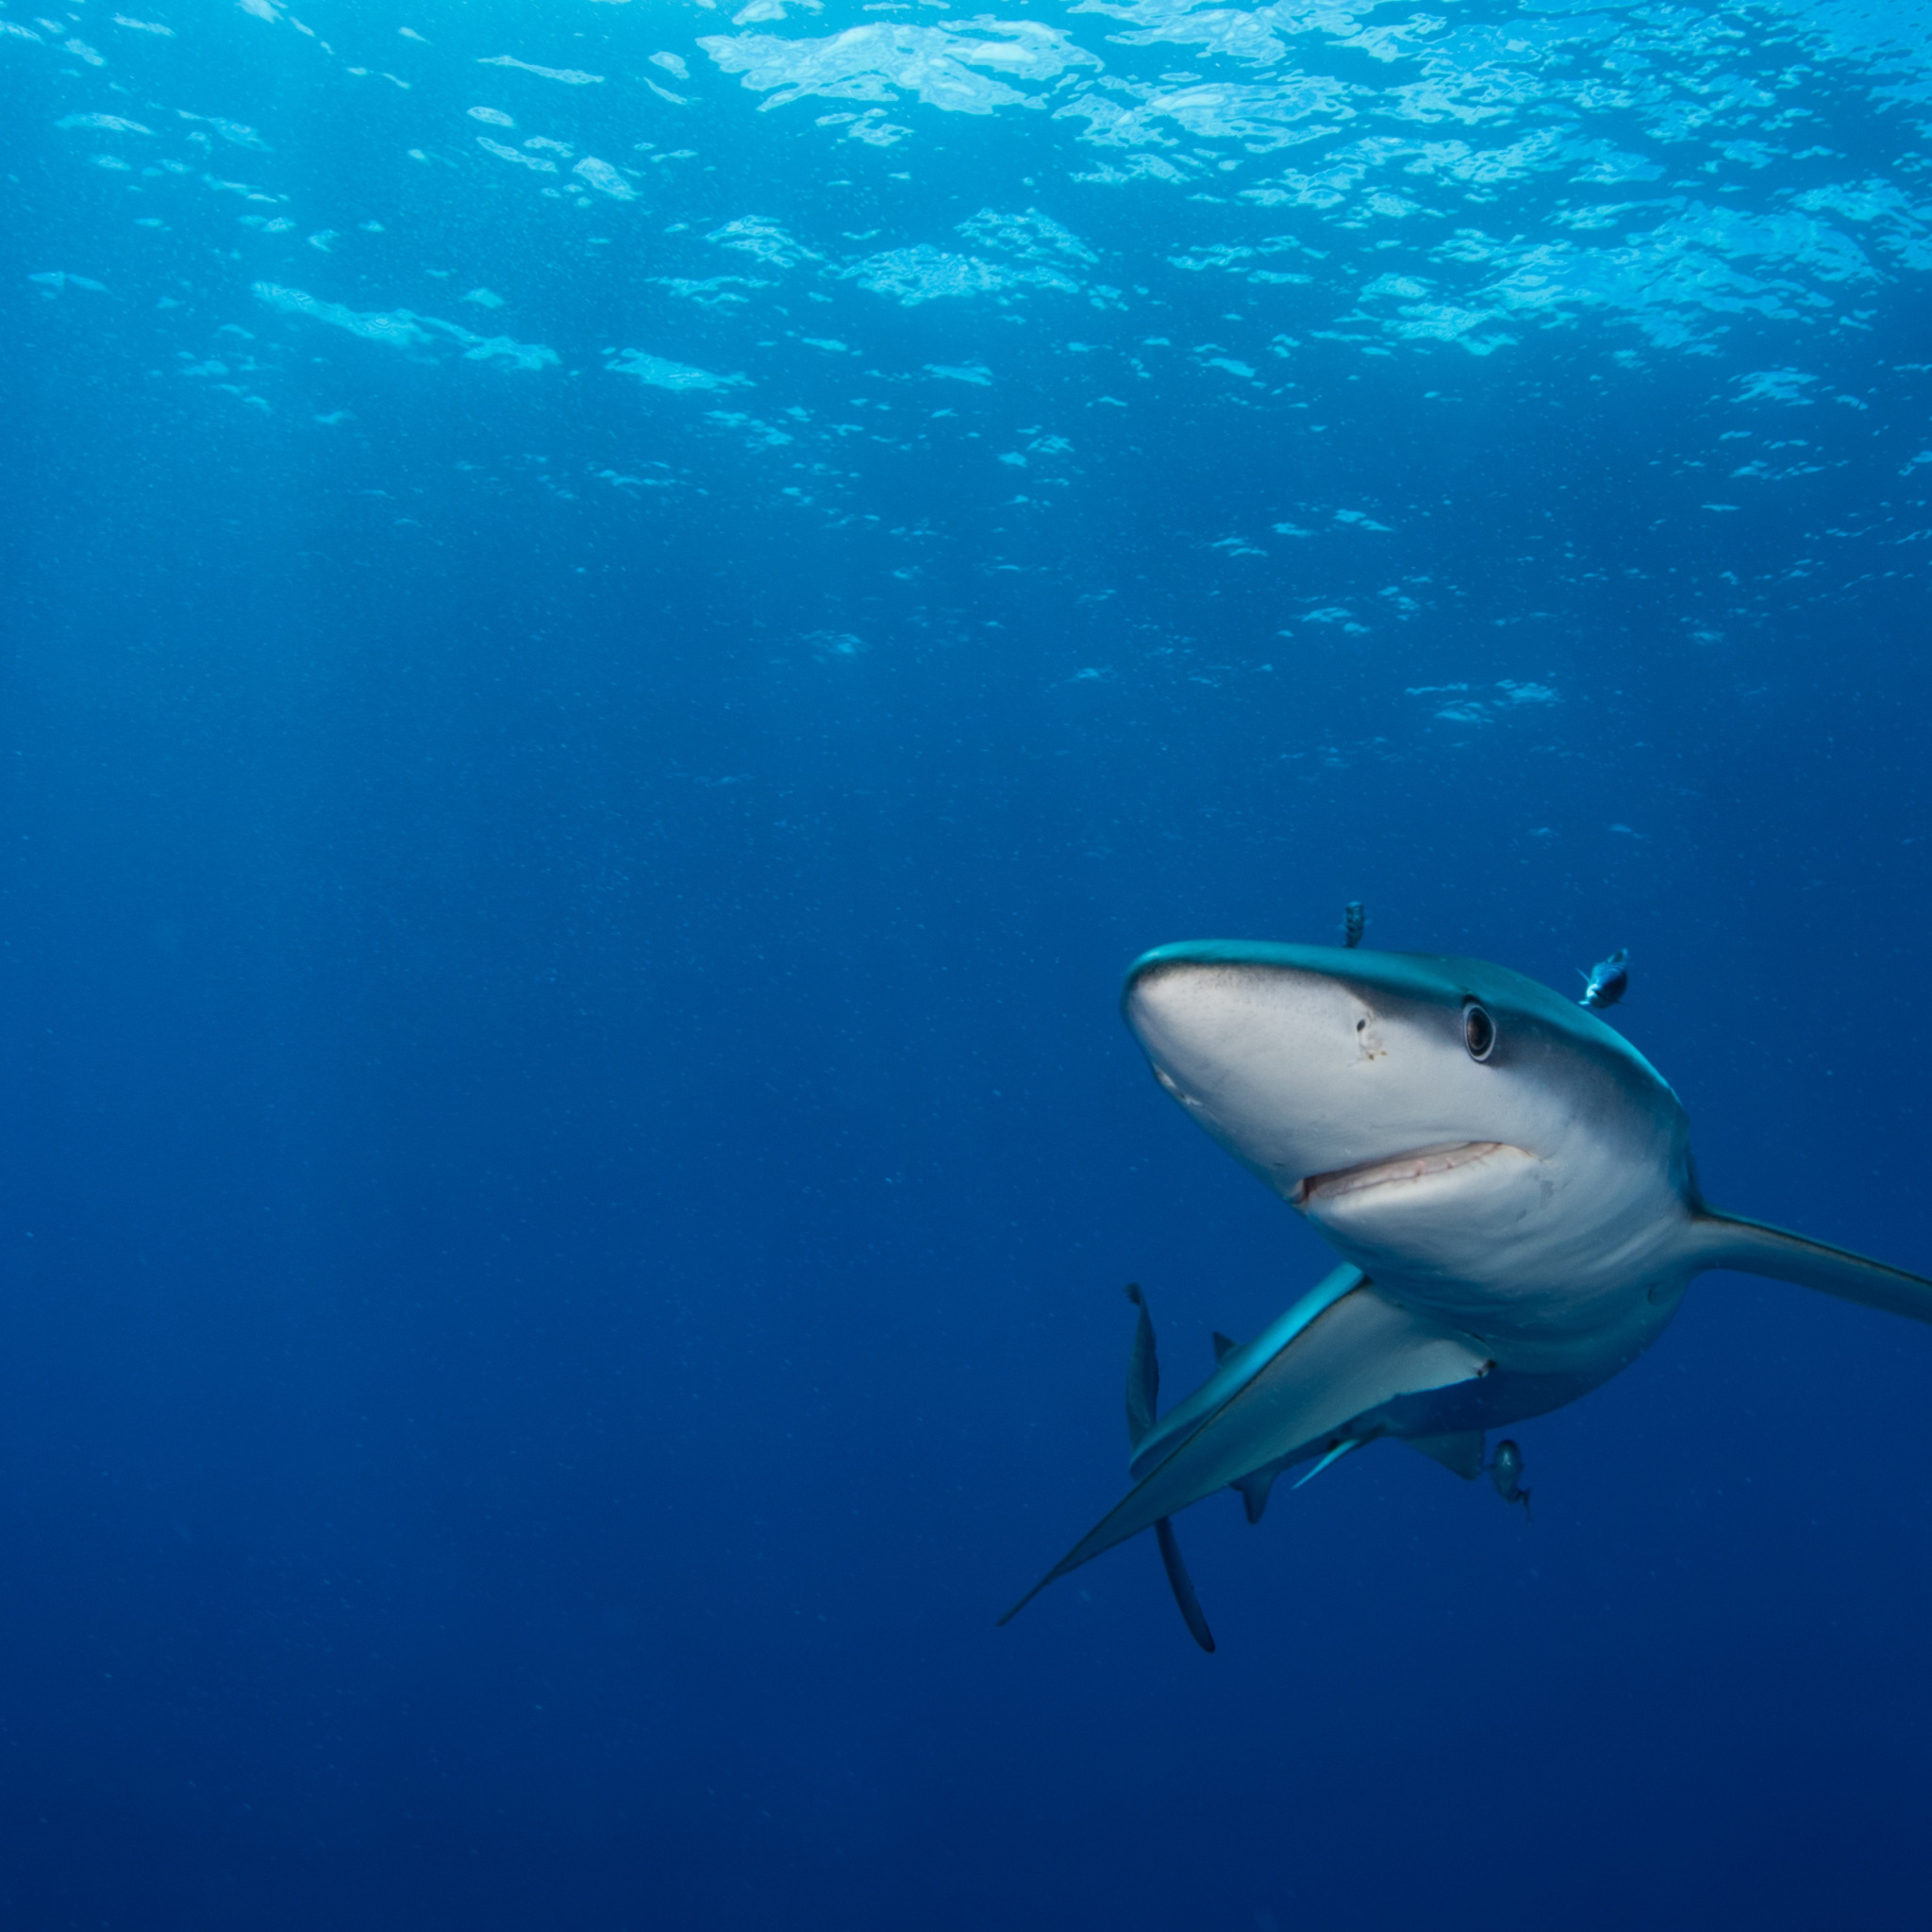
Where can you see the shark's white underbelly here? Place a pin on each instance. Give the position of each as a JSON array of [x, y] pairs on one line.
[[1557, 1266]]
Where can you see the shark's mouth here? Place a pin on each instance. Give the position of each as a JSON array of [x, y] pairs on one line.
[[1424, 1161]]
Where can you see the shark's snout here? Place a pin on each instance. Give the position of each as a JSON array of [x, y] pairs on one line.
[[1336, 1072], [1261, 1052]]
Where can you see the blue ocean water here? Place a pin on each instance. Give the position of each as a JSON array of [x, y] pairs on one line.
[[619, 619]]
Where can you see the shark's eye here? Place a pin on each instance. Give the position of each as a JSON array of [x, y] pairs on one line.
[[1478, 1032]]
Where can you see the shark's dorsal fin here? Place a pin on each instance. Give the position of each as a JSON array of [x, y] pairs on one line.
[[1461, 1452], [1730, 1240], [1144, 1372], [1223, 1347]]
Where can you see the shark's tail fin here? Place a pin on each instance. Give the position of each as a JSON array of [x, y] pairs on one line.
[[1144, 1372], [1182, 1584], [1143, 1396], [1730, 1240]]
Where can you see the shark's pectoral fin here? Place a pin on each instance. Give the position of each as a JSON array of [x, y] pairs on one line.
[[1728, 1241], [1182, 1585], [1462, 1452], [1338, 1354]]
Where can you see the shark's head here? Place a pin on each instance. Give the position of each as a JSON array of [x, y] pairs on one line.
[[1421, 1110]]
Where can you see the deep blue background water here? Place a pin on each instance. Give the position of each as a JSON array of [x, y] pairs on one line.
[[570, 1156]]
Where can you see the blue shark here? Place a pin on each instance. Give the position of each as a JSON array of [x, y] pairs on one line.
[[1507, 1181]]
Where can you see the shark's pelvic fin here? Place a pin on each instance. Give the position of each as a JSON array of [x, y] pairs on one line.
[[1182, 1585], [1730, 1240], [1335, 1454], [1462, 1452], [1338, 1353], [1223, 1347], [1254, 1488]]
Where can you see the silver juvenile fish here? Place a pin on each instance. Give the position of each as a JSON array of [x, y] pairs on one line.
[[1506, 1472], [1607, 982]]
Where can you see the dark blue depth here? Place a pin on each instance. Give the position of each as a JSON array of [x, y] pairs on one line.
[[569, 1159]]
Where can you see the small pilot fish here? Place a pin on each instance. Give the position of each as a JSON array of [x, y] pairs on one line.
[[1506, 1472], [1607, 982], [1353, 920]]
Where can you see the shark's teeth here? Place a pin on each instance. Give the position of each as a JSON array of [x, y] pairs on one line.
[[1404, 1167]]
